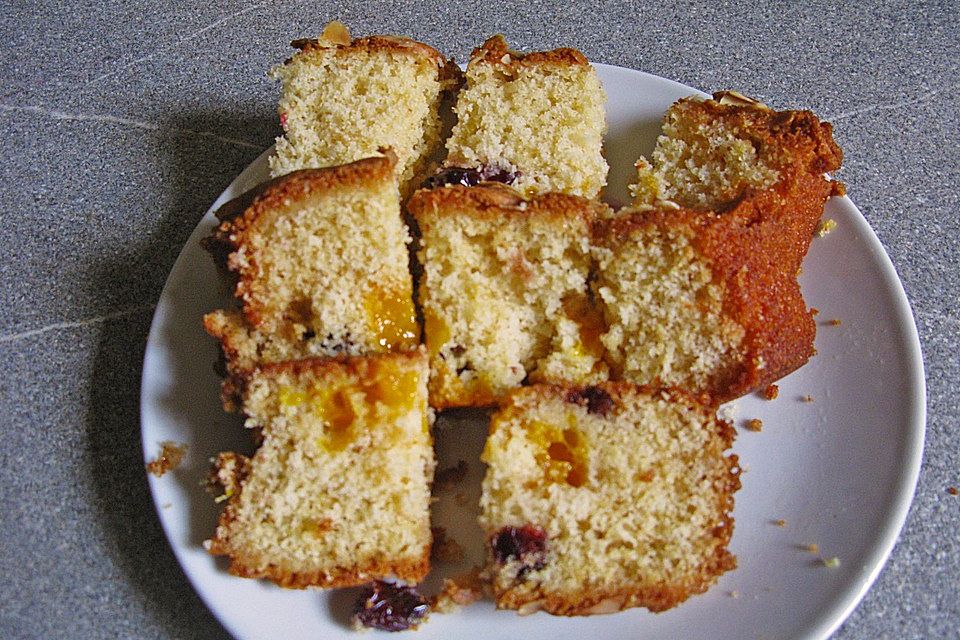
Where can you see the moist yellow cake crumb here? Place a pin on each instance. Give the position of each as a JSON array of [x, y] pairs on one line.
[[338, 492], [754, 424], [504, 292], [321, 262], [602, 498], [343, 99], [538, 115]]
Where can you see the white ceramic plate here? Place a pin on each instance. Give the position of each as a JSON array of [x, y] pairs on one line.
[[840, 470]]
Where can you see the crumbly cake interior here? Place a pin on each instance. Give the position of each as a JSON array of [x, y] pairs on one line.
[[664, 309], [712, 152], [504, 292], [246, 348], [630, 487], [322, 264], [338, 492], [599, 495], [342, 100], [540, 115]]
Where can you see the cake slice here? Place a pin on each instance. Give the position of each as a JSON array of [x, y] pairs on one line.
[[707, 302], [504, 291], [533, 120], [606, 497], [734, 153], [338, 492], [321, 264], [342, 99]]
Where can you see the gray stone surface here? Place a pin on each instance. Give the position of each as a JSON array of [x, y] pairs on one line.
[[122, 122]]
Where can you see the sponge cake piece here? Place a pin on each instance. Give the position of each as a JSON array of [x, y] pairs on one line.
[[321, 263], [342, 99], [708, 302], [734, 152], [504, 291], [338, 493], [602, 498], [534, 120]]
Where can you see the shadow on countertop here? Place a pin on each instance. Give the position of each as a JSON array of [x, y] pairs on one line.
[[197, 169]]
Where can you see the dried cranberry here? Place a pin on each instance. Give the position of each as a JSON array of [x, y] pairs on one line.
[[470, 177], [495, 174], [390, 607], [454, 175], [596, 400], [528, 544]]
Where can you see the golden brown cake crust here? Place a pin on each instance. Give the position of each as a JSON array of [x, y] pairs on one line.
[[239, 213], [359, 367], [492, 201], [749, 252], [799, 135], [411, 571], [495, 51], [239, 216], [336, 37], [805, 150], [447, 69]]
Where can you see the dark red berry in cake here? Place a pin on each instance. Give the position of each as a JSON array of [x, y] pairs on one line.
[[495, 174], [470, 177], [596, 400], [528, 544], [454, 175], [390, 607]]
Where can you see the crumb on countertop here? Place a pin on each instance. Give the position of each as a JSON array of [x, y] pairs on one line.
[[171, 455], [734, 593], [806, 398], [754, 424], [952, 491], [812, 547], [780, 523], [771, 392], [457, 592], [831, 563]]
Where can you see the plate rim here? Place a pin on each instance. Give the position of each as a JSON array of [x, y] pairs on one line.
[[826, 621]]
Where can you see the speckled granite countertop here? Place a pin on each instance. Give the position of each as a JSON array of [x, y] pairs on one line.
[[122, 123]]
